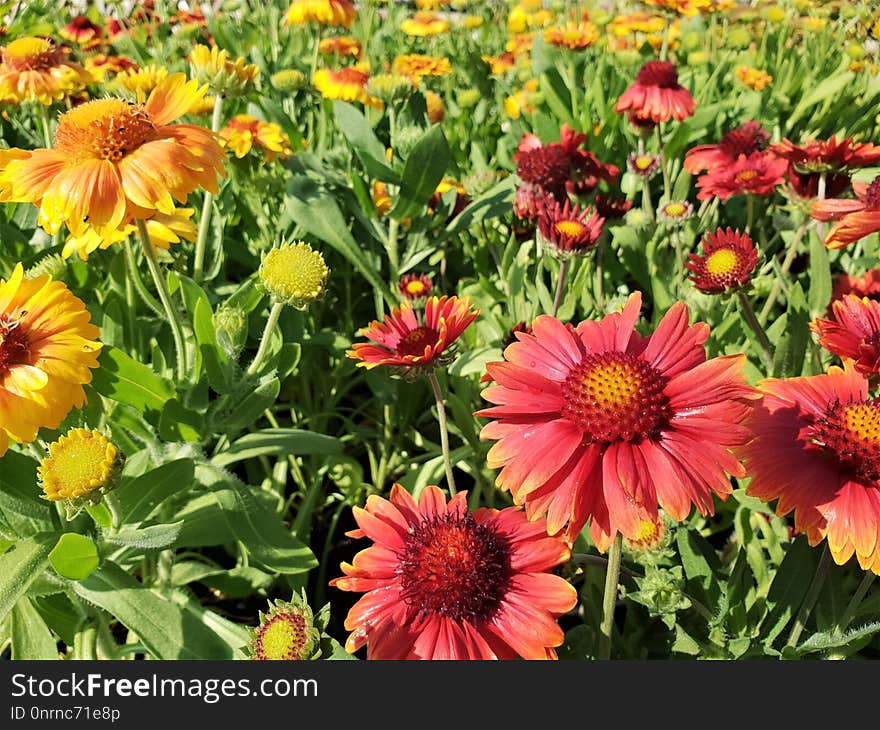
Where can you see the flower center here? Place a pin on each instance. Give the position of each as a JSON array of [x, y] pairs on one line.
[[415, 341], [547, 166], [569, 229], [746, 175], [455, 567], [14, 345], [658, 73], [644, 162], [872, 195], [615, 396], [78, 463], [415, 288], [723, 261], [283, 637], [106, 129], [674, 209], [851, 434], [32, 54], [744, 140]]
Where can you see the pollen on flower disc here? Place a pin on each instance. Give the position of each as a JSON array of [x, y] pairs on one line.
[[14, 345], [294, 273], [78, 463], [850, 433], [285, 635], [105, 129]]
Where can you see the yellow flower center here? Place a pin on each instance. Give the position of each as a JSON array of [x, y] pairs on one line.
[[746, 175], [283, 637], [31, 54], [415, 288], [647, 530], [675, 209], [78, 463], [569, 229], [643, 162], [614, 385], [862, 420], [294, 273], [721, 262], [106, 129]]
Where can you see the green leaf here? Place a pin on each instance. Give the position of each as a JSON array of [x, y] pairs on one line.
[[493, 203], [22, 512], [153, 537], [166, 630], [788, 589], [139, 497], [245, 411], [791, 347], [19, 567], [31, 638], [216, 363], [278, 442], [180, 424], [74, 557], [820, 277], [685, 643], [371, 152], [127, 381], [423, 171], [828, 640]]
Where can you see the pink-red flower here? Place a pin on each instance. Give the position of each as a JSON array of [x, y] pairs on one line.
[[747, 138], [853, 332], [569, 230], [866, 285], [757, 174], [829, 157], [855, 218], [598, 422], [657, 95], [415, 286], [816, 449], [404, 341], [441, 583], [728, 260]]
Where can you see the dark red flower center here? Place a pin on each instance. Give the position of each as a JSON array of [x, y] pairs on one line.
[[615, 396], [658, 73], [872, 195], [744, 140], [415, 341], [14, 345], [850, 433], [455, 567], [548, 166]]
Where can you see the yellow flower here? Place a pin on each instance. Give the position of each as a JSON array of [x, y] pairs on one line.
[[224, 76], [527, 15], [381, 199], [522, 101], [424, 24], [288, 633], [348, 84], [624, 25], [164, 229], [294, 274], [688, 8], [417, 66], [100, 66], [141, 80], [48, 348], [435, 106], [114, 161], [81, 466], [324, 12], [754, 78], [814, 24], [774, 14], [34, 69], [472, 21], [243, 130], [431, 4], [574, 36]]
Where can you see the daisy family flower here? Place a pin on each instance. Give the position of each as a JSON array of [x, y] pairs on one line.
[[854, 219], [687, 8], [294, 274], [568, 230], [656, 95], [287, 633], [675, 213], [573, 36], [415, 286], [323, 12], [757, 174], [342, 45], [81, 466], [727, 262], [416, 66], [866, 285], [114, 161], [35, 69], [596, 422], [243, 131], [748, 138], [162, 228], [101, 66], [48, 348], [853, 332], [442, 583], [348, 84], [412, 344], [754, 78], [643, 164], [140, 80], [835, 159], [424, 24], [816, 449], [82, 31], [223, 75]]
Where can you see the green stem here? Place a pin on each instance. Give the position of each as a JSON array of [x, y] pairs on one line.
[[811, 598], [207, 203], [560, 285], [750, 211], [850, 613], [444, 433], [271, 324], [165, 298], [112, 503], [667, 184], [86, 640], [47, 125], [612, 577], [391, 247], [572, 90], [598, 292], [134, 275], [790, 256], [749, 315]]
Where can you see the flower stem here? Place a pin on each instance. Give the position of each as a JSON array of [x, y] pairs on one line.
[[811, 598], [612, 576], [598, 292], [749, 315], [850, 612], [444, 433], [112, 504], [47, 125], [790, 256], [207, 204], [391, 247], [165, 298], [271, 324], [667, 184], [560, 285]]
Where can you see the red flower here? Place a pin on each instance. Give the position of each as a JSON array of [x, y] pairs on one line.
[[612, 207], [816, 448], [856, 218], [415, 286], [854, 332], [567, 230], [833, 158], [866, 285], [657, 95], [728, 260], [441, 583], [758, 173], [83, 31], [596, 421], [402, 341], [747, 138], [528, 201]]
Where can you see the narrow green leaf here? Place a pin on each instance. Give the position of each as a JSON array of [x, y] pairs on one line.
[[371, 152], [153, 537], [139, 497], [828, 640], [278, 441], [74, 557], [788, 589], [820, 277], [493, 203], [22, 511], [31, 638], [19, 567], [423, 171]]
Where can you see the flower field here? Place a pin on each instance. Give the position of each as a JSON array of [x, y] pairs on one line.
[[446, 330]]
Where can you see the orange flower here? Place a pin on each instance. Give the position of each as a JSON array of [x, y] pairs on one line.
[[163, 229], [853, 332], [574, 36], [624, 25], [381, 198], [114, 161], [754, 78], [341, 46], [424, 24], [855, 219], [324, 12], [347, 84], [34, 69], [100, 66], [688, 8], [436, 108], [243, 130], [417, 66]]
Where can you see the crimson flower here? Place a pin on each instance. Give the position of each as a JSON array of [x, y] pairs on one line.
[[866, 285], [855, 218], [758, 174], [728, 260], [747, 138], [853, 332], [568, 230], [657, 95]]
